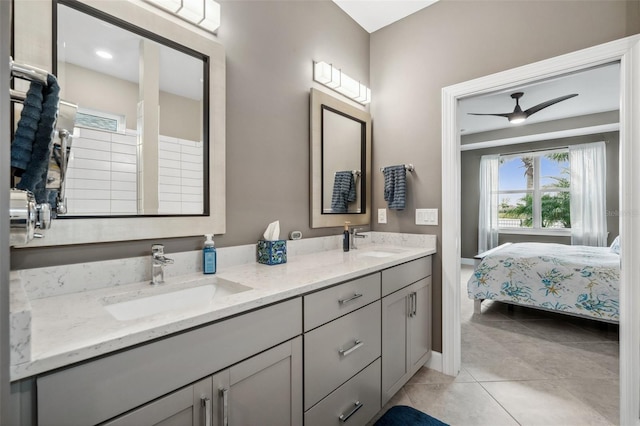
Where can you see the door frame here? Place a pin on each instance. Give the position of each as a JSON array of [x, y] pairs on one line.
[[627, 52]]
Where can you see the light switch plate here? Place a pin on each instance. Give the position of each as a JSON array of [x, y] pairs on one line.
[[426, 216], [382, 215]]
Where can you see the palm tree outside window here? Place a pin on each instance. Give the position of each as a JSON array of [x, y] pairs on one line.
[[534, 191]]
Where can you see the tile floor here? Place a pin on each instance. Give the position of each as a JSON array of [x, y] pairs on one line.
[[523, 367]]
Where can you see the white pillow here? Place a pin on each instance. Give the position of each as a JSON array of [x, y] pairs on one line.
[[615, 245]]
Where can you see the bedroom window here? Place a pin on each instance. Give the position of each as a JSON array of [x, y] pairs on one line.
[[533, 191]]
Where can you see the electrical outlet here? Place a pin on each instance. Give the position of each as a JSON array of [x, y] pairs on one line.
[[426, 216], [382, 215]]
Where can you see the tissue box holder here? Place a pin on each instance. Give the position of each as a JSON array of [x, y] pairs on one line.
[[272, 252]]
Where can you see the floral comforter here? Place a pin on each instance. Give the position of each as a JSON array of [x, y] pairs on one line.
[[573, 279]]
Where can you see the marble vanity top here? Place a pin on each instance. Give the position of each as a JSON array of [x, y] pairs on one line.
[[73, 327]]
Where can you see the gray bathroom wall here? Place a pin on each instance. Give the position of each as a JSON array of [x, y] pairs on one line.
[[270, 47], [470, 197], [451, 42]]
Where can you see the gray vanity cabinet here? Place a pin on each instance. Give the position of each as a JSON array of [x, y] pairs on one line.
[[258, 348], [406, 323], [234, 396]]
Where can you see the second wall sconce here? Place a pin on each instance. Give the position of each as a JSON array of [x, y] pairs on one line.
[[335, 79]]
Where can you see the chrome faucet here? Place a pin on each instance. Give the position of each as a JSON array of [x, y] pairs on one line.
[[158, 260], [354, 236]]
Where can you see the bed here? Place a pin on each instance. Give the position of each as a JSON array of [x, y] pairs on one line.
[[576, 280]]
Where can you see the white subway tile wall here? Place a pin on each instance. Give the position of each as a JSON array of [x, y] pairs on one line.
[[102, 174]]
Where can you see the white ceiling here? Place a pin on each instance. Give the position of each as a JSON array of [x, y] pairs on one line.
[[598, 90], [375, 14]]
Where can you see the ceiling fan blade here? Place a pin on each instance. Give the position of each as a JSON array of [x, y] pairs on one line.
[[543, 105], [497, 115]]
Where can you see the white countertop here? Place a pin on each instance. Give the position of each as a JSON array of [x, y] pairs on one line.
[[69, 328]]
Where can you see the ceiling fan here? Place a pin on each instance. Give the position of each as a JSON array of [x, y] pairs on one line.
[[518, 115]]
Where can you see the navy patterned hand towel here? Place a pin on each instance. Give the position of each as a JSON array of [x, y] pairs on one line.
[[395, 186], [344, 192], [31, 147]]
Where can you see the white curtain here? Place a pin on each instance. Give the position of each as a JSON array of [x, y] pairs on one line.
[[588, 194], [488, 209]]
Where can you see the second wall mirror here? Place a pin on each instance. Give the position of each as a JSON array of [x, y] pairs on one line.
[[340, 162]]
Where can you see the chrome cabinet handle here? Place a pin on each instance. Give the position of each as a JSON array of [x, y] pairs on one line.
[[224, 393], [355, 296], [356, 344], [411, 305], [206, 403], [415, 303], [344, 417]]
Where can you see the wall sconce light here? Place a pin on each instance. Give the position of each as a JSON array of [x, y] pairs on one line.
[[335, 79], [203, 13]]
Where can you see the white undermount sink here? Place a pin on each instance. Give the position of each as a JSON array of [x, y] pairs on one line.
[[194, 297], [379, 253]]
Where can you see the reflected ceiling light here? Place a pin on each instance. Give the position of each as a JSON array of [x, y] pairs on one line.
[[104, 54], [335, 79], [203, 13]]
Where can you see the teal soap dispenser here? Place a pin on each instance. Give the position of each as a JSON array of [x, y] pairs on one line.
[[209, 258]]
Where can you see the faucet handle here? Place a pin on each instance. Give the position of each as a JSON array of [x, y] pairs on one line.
[[157, 249]]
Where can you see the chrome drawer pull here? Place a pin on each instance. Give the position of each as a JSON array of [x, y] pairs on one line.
[[343, 418], [355, 296], [224, 393], [206, 403], [356, 344]]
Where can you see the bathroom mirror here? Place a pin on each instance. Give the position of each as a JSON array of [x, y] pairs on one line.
[[179, 168], [141, 106], [340, 162]]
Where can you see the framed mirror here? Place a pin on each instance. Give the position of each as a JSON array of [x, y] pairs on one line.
[[340, 162], [163, 126]]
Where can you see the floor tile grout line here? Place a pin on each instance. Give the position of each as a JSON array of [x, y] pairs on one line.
[[498, 402]]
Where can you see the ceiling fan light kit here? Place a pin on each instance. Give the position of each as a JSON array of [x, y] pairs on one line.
[[519, 116]]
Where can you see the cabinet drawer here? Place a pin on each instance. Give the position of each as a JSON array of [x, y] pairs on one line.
[[395, 278], [326, 305], [101, 389], [360, 396], [336, 351]]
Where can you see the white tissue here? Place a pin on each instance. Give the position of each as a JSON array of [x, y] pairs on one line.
[[273, 231]]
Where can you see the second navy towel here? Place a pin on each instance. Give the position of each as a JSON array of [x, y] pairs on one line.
[[395, 186]]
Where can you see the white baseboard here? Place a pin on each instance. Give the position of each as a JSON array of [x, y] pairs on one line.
[[465, 261], [435, 362]]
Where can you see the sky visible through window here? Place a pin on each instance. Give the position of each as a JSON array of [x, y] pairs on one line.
[[511, 175]]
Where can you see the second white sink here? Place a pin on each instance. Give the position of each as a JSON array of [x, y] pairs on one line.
[[379, 253], [194, 297]]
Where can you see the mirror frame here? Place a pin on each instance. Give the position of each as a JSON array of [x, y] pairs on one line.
[[147, 17], [325, 220]]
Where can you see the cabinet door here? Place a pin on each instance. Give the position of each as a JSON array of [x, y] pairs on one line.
[[395, 333], [185, 407], [420, 324], [267, 389]]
